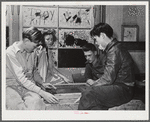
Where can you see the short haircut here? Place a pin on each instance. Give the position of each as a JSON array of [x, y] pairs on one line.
[[102, 28], [89, 47], [33, 34], [50, 32]]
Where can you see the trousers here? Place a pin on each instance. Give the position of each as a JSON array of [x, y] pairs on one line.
[[30, 100], [105, 96]]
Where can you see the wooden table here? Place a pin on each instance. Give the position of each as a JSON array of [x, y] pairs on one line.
[[68, 95]]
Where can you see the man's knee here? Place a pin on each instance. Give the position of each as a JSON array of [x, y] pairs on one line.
[[13, 99], [87, 92], [87, 99], [34, 101]]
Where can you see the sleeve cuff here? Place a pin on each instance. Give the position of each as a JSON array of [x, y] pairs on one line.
[[37, 89]]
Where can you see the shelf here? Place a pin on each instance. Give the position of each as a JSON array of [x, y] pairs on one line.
[[134, 45], [69, 48]]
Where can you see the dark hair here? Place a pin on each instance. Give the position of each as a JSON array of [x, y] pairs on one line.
[[102, 28], [50, 32], [80, 42], [89, 47], [33, 34], [69, 40]]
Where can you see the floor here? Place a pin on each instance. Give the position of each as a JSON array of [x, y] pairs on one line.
[[138, 103], [132, 105]]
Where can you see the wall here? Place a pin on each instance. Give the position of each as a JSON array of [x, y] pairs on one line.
[[128, 15], [13, 22], [99, 14], [114, 17]]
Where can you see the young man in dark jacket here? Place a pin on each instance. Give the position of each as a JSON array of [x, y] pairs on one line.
[[115, 86], [94, 64]]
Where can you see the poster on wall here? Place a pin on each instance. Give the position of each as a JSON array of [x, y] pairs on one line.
[[130, 33], [74, 37], [75, 18], [40, 16]]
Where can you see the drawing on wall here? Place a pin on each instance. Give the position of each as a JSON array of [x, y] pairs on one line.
[[75, 18], [40, 16], [74, 38], [130, 33]]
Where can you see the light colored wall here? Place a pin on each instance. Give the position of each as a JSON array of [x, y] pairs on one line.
[[114, 15], [128, 15], [13, 24]]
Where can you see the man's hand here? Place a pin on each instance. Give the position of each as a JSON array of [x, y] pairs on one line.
[[90, 82], [48, 85], [48, 97], [28, 74], [66, 79]]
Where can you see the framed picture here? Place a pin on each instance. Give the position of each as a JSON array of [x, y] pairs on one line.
[[130, 33]]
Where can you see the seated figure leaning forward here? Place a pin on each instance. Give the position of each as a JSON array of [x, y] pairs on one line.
[[111, 80], [22, 93], [45, 60]]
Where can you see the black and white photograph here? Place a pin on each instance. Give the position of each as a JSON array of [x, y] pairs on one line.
[[75, 60]]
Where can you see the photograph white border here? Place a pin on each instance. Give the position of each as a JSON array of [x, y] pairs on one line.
[[75, 114]]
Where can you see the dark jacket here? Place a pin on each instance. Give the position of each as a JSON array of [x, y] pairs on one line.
[[119, 65], [95, 71]]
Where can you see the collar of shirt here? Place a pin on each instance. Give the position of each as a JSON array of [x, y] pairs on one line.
[[17, 49], [96, 63], [110, 45]]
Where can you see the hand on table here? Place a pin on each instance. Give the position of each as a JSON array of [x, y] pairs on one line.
[[66, 80], [48, 85], [48, 97], [90, 82]]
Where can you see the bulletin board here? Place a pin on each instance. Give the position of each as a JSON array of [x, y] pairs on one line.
[[75, 18], [40, 16], [76, 33]]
